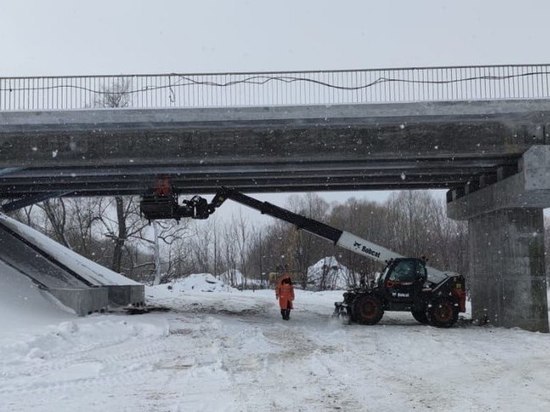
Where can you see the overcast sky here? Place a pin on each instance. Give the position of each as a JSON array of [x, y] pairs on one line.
[[69, 37], [63, 37]]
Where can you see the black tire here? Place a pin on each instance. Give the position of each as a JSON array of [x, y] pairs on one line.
[[421, 316], [367, 310], [443, 313]]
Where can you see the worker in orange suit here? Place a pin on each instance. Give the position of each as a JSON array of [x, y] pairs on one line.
[[285, 293]]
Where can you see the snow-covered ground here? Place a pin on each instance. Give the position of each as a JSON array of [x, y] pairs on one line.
[[226, 350]]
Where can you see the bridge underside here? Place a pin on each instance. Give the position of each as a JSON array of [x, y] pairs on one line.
[[309, 148], [482, 150], [379, 174]]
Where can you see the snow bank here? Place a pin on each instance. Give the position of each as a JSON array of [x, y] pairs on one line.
[[23, 305], [235, 278], [328, 273], [199, 282]]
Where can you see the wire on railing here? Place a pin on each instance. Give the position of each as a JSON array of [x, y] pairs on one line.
[[276, 89]]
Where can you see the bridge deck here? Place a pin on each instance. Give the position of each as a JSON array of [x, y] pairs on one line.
[[301, 148]]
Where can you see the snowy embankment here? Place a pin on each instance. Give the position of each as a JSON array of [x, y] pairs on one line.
[[225, 350]]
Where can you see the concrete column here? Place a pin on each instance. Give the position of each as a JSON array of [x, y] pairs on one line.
[[507, 273], [507, 279]]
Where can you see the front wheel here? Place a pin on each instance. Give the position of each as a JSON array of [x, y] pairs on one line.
[[367, 310], [443, 313], [421, 316]]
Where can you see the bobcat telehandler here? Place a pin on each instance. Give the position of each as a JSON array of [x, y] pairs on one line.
[[406, 283]]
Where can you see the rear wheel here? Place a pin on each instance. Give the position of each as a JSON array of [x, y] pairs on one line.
[[421, 316], [367, 310], [443, 313]]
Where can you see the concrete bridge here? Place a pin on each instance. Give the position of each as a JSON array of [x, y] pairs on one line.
[[481, 132]]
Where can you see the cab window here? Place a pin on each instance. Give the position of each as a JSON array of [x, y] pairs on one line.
[[404, 271]]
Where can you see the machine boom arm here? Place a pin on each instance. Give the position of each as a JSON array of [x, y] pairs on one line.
[[341, 238], [163, 205]]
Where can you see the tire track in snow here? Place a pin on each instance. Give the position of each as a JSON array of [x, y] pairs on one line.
[[89, 365], [286, 346]]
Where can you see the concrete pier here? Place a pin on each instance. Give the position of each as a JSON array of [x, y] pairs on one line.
[[507, 273], [507, 279]]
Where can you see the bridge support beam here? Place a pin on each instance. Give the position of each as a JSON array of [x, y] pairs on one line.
[[507, 278]]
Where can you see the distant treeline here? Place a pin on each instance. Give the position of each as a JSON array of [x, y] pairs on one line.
[[111, 232]]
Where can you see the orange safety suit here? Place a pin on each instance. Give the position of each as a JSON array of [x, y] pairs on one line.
[[285, 293]]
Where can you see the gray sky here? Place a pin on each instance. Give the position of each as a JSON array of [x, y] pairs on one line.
[[63, 37], [69, 37]]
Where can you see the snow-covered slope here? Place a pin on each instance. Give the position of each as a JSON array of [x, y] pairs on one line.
[[23, 306]]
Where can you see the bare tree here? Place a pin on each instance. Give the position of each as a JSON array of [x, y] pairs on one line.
[[125, 225], [368, 220], [166, 235], [547, 245], [179, 258], [256, 260], [413, 223], [25, 215], [115, 94], [304, 247], [236, 243], [81, 229], [201, 245], [268, 249], [56, 213], [421, 228]]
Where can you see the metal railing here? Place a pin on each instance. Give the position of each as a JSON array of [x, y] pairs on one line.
[[425, 84]]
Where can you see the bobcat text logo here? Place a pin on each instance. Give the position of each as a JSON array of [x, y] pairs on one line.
[[366, 250]]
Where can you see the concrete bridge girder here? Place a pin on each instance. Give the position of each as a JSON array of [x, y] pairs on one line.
[[508, 284], [437, 130], [341, 147]]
